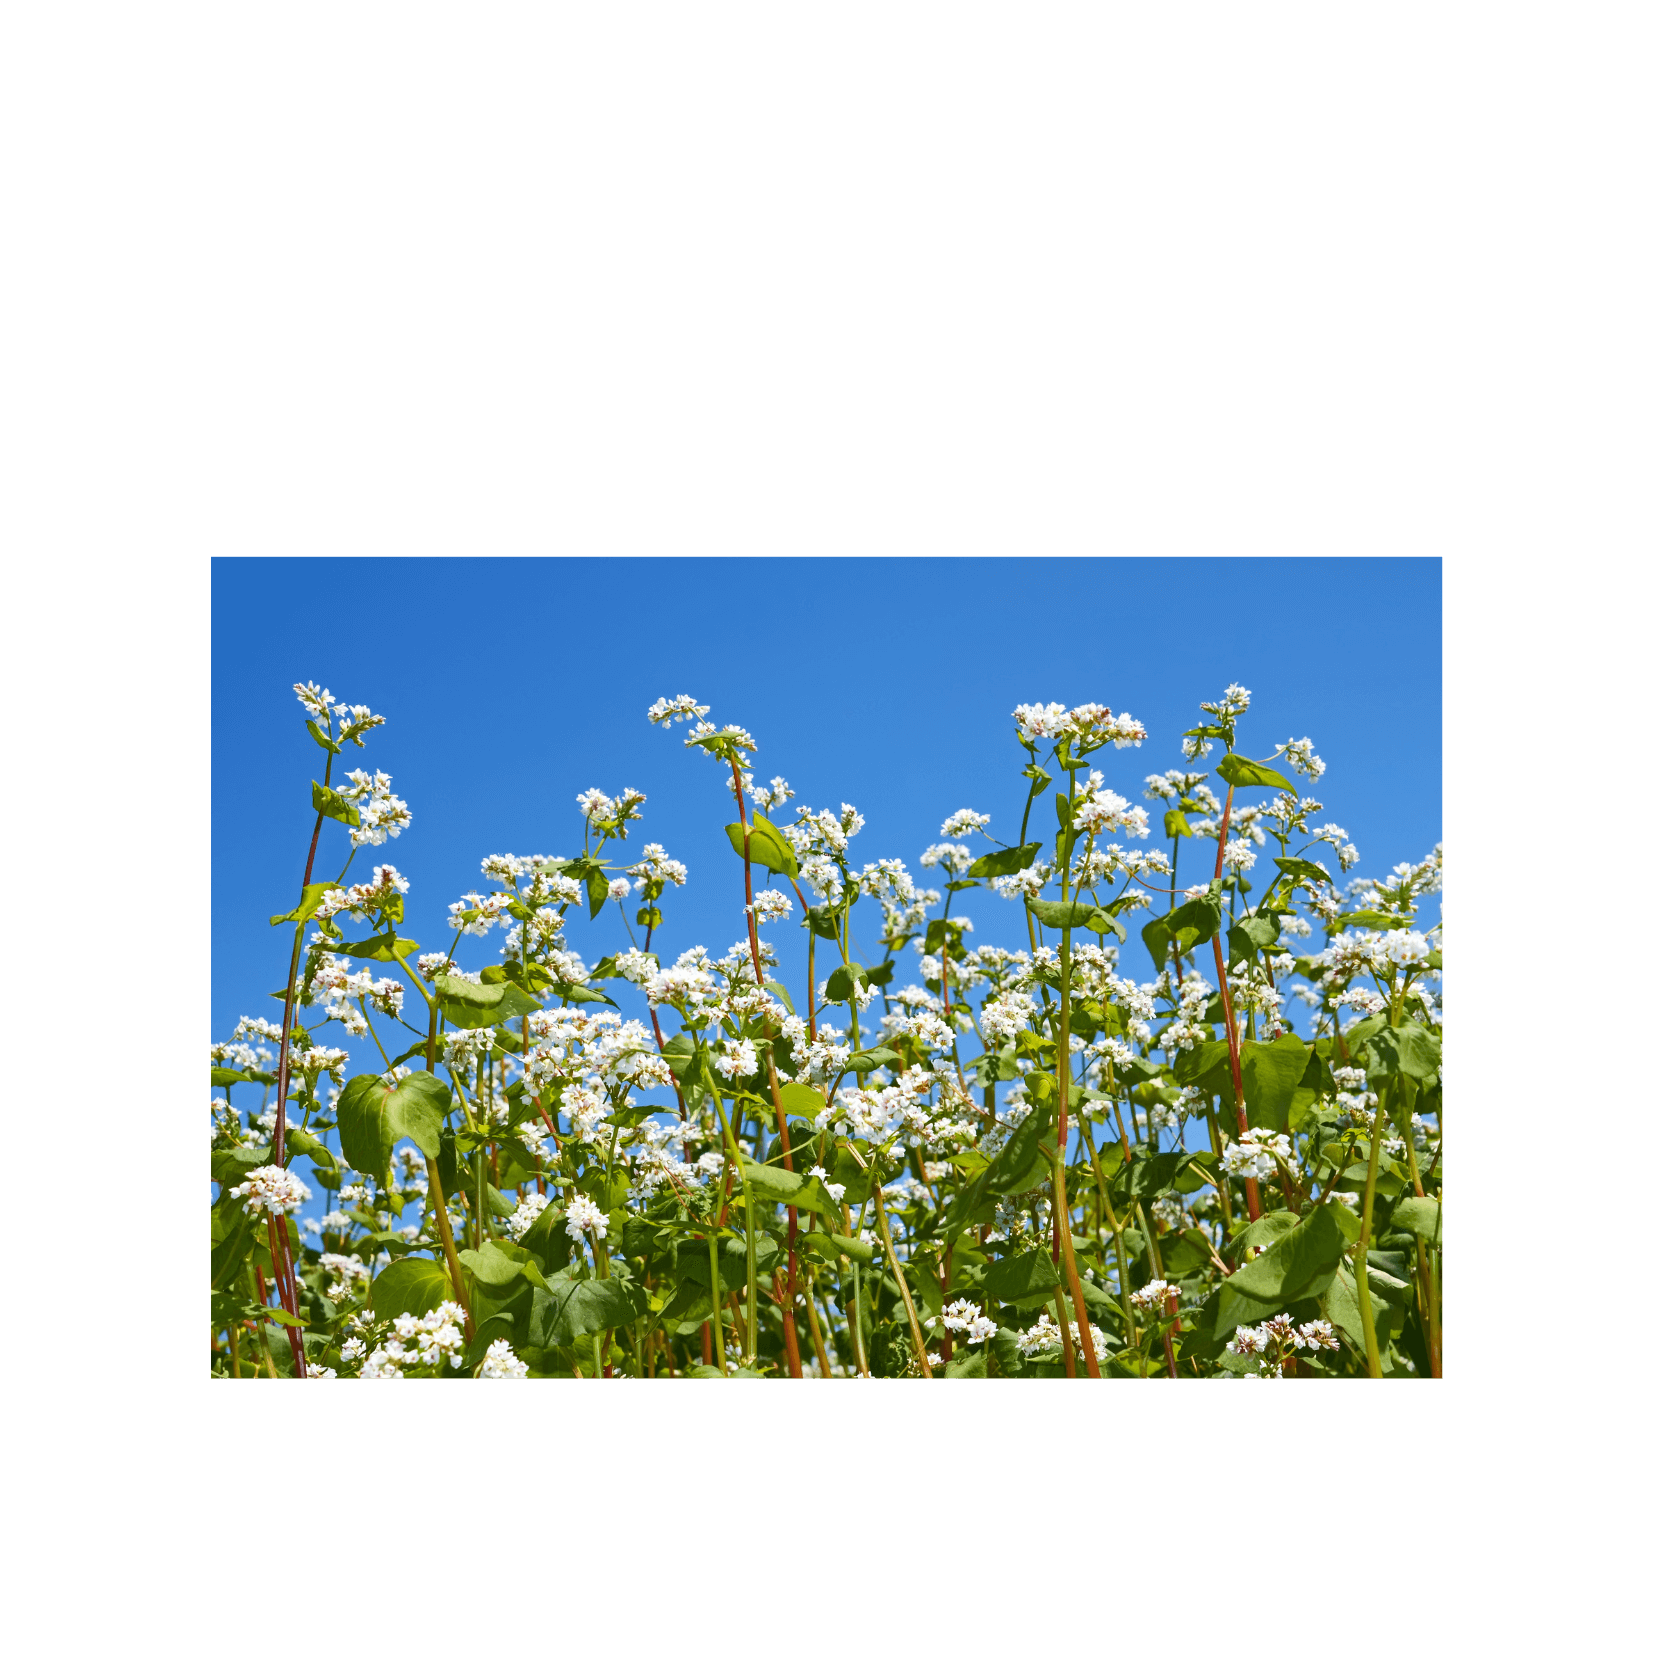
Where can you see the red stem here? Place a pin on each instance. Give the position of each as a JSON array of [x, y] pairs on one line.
[[660, 1042]]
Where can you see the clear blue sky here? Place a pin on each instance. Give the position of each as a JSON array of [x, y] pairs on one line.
[[512, 684]]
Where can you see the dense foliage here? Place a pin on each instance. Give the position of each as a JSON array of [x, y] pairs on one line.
[[645, 1168]]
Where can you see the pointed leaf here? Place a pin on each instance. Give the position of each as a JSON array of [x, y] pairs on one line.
[[997, 863], [1301, 1264], [1248, 772], [374, 1117]]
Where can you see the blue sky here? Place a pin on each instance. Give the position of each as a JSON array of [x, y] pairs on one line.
[[512, 684]]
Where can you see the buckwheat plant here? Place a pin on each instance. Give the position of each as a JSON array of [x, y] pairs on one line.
[[947, 1161]]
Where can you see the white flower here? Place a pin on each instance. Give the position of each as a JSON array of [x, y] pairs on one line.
[[1041, 722], [962, 823], [585, 1218], [1316, 1335], [1301, 756], [1160, 1296], [770, 904], [680, 706], [526, 1214], [836, 1190], [741, 1058], [314, 699], [501, 1362], [271, 1189], [964, 1316], [1406, 948]]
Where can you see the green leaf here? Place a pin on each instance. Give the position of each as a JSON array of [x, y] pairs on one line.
[[841, 981], [308, 903], [1205, 1067], [1246, 936], [1409, 1049], [304, 1142], [823, 921], [777, 1184], [577, 995], [1020, 1154], [597, 890], [1301, 1264], [1146, 1175], [864, 1062], [803, 1100], [320, 739], [1419, 1215], [1248, 772], [329, 803], [1296, 867], [410, 1286], [1371, 919], [1270, 1073], [374, 1118], [829, 1244], [1102, 921], [1177, 825], [481, 1004], [1194, 922], [1070, 915], [1158, 940], [765, 845], [498, 1263], [228, 1076], [385, 948], [1026, 1279], [997, 863], [565, 1309]]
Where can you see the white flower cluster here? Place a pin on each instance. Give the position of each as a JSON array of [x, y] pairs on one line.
[[501, 1362], [1104, 811], [382, 814], [585, 1219], [1045, 1336], [271, 1189], [962, 823], [345, 1272], [1094, 724], [964, 1316], [819, 1059], [420, 1341], [656, 867], [1160, 1296], [666, 711], [770, 904], [1029, 882], [359, 899], [526, 1214], [1255, 1154], [1273, 1340], [341, 987], [1300, 754], [739, 1059]]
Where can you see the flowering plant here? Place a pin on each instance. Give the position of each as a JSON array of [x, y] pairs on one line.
[[719, 1173]]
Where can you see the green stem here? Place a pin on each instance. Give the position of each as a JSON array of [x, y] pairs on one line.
[[1369, 1328], [1119, 1232], [734, 1150], [855, 1320], [717, 1301], [917, 1332]]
